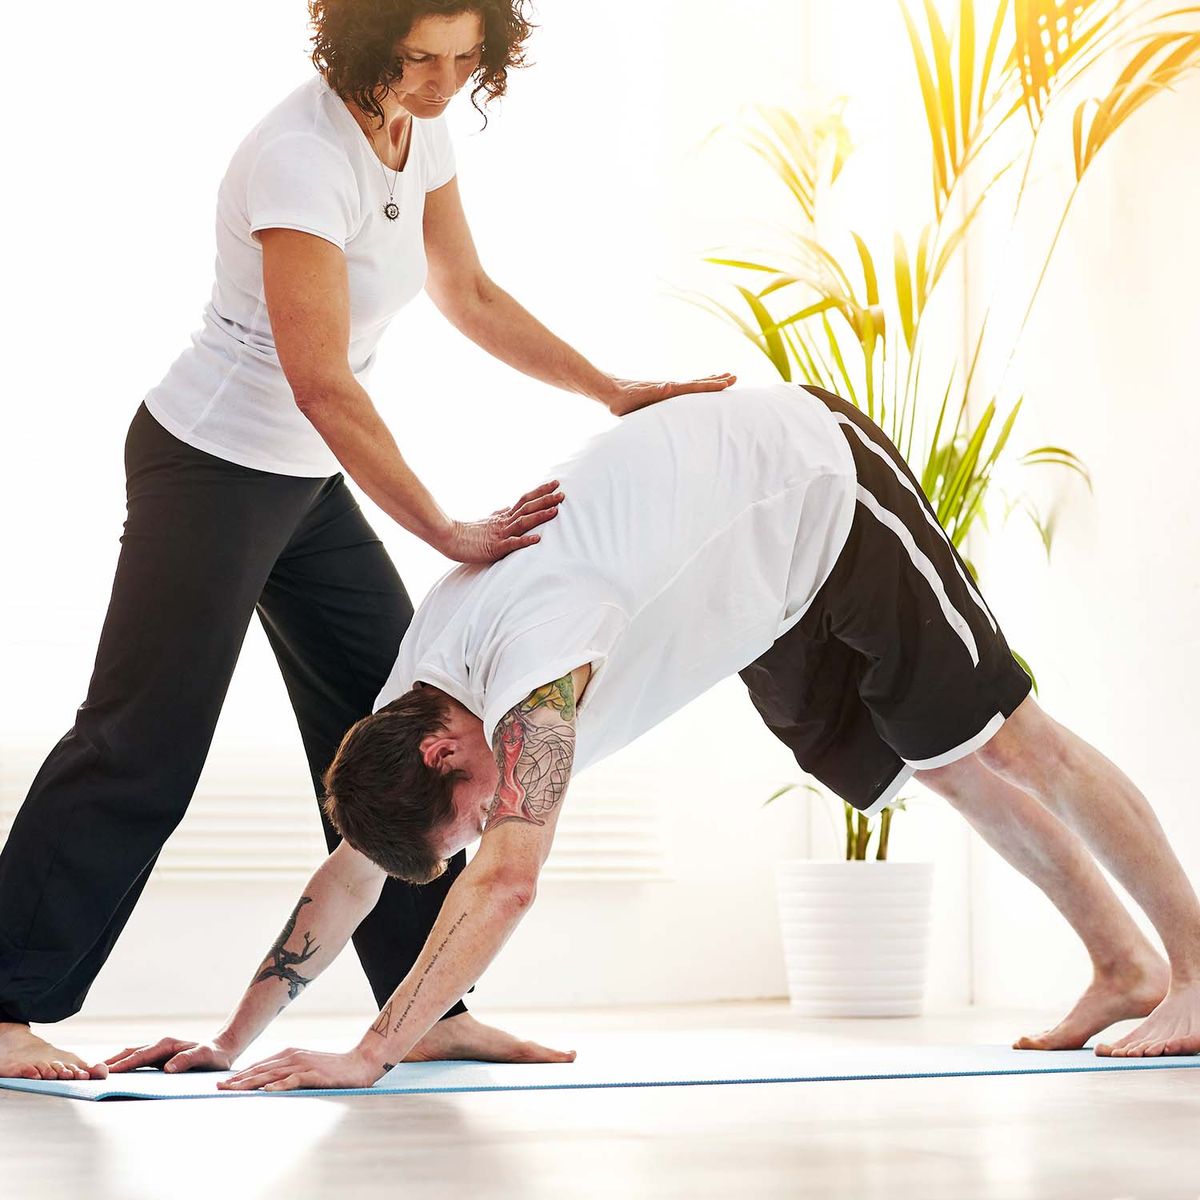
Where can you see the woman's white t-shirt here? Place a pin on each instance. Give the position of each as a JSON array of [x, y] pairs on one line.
[[693, 534], [307, 165]]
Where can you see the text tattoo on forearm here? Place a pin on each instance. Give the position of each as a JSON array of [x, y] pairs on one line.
[[381, 1025]]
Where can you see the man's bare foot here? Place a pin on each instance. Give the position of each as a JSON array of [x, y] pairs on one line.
[[24, 1055], [1172, 1028], [1113, 996]]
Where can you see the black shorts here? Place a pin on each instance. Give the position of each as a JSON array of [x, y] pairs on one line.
[[898, 665]]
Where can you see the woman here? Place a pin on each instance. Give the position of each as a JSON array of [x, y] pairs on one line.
[[335, 210]]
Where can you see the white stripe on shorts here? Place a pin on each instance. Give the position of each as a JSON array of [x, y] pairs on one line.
[[891, 791], [919, 560], [972, 744], [842, 419]]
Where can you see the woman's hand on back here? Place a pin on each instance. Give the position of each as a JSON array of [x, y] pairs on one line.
[[628, 395], [506, 530]]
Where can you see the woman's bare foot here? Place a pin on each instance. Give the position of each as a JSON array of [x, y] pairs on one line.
[[1172, 1028], [1117, 995], [24, 1055]]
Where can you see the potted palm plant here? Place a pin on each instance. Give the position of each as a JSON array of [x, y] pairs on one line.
[[827, 308], [878, 906]]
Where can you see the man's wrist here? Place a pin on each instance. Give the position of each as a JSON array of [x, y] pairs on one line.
[[372, 1051], [232, 1046]]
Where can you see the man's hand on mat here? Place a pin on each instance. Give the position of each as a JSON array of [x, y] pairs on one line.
[[628, 395], [462, 1037], [306, 1069], [172, 1054], [506, 530]]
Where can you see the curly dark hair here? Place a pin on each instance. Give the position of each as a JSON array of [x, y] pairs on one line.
[[379, 794], [354, 41]]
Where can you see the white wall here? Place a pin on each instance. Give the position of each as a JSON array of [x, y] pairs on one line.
[[589, 199]]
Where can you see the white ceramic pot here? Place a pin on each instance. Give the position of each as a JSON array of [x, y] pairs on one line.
[[855, 936]]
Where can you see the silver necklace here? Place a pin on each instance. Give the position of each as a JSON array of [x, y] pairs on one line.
[[391, 209]]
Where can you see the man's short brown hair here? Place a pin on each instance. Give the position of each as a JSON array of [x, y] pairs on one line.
[[380, 795]]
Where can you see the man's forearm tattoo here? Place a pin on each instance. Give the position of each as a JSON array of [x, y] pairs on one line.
[[281, 963], [381, 1022], [535, 747], [424, 974]]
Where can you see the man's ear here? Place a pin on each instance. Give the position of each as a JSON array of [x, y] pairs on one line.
[[436, 749]]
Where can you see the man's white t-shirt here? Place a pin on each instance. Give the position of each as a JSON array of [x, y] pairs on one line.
[[693, 534], [307, 165]]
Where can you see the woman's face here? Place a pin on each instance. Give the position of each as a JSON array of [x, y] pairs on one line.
[[439, 55]]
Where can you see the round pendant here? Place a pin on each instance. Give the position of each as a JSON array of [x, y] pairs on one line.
[[391, 210]]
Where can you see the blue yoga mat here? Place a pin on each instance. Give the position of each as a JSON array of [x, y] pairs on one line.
[[642, 1059]]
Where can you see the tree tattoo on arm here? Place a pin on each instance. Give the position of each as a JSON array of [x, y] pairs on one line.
[[535, 748], [281, 963]]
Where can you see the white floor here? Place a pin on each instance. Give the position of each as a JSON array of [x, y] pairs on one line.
[[1111, 1134]]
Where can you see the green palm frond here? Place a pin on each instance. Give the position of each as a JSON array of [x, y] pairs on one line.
[[906, 299], [1043, 525], [948, 503], [844, 376], [957, 108], [938, 462], [989, 57], [940, 136], [1177, 52], [770, 333], [1056, 456], [977, 488], [1027, 669], [1047, 36], [951, 244], [805, 152], [868, 265]]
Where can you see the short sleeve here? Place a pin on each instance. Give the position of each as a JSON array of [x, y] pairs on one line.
[[441, 165], [301, 181], [521, 663]]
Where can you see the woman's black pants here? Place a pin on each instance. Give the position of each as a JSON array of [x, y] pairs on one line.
[[206, 543]]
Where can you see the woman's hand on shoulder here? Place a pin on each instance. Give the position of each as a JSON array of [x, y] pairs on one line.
[[506, 530], [628, 395]]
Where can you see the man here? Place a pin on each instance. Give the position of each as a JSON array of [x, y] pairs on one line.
[[773, 531]]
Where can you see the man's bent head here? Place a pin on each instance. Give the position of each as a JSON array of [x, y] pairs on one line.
[[410, 784]]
